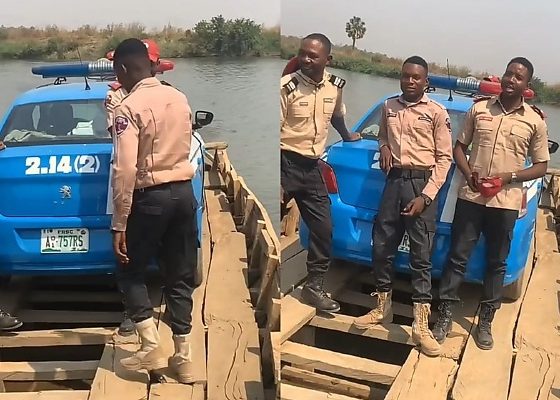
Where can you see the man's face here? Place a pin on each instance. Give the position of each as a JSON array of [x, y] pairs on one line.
[[515, 80], [414, 79], [313, 57]]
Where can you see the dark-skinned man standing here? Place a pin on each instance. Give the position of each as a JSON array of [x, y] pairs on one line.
[[503, 131], [415, 144], [154, 206], [115, 94], [310, 101]]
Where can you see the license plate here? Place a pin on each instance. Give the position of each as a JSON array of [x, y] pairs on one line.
[[405, 244], [64, 240]]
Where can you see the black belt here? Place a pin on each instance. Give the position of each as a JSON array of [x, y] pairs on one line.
[[406, 173], [161, 186], [299, 159]]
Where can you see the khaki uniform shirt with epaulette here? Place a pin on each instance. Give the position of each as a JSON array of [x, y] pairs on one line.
[[152, 133], [112, 100], [306, 109], [501, 142], [419, 136]]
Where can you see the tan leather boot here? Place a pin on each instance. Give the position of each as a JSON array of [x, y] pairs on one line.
[[421, 334], [181, 361], [150, 356], [382, 313]]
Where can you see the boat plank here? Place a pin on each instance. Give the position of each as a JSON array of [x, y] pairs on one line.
[[536, 375], [47, 395], [423, 378], [339, 364], [57, 337], [291, 392], [47, 370]]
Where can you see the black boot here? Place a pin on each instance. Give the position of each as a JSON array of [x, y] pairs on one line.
[[8, 323], [483, 333], [127, 327], [314, 295], [444, 322]]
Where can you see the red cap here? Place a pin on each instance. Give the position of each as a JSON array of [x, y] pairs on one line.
[[151, 45], [291, 67], [490, 187]]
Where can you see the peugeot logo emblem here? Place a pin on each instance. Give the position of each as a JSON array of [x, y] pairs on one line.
[[66, 192]]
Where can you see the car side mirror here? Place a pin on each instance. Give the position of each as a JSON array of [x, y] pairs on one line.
[[202, 118], [552, 146]]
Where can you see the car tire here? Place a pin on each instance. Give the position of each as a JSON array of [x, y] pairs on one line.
[[514, 290]]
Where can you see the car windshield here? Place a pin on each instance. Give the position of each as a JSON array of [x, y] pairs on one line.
[[370, 128], [72, 121]]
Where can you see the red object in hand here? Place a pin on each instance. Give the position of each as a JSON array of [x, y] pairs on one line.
[[291, 67], [489, 187]]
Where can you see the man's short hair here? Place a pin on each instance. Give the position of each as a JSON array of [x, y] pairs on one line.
[[131, 48], [418, 61], [526, 63], [321, 38]]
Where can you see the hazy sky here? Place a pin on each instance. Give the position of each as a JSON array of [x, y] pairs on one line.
[[72, 13], [481, 34]]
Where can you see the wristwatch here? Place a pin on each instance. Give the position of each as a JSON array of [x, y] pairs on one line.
[[427, 200], [513, 177]]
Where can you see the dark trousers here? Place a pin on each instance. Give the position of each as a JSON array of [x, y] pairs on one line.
[[301, 179], [162, 224], [470, 220], [388, 229]]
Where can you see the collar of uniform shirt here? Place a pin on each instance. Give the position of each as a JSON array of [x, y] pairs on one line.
[[310, 81], [151, 81], [496, 99], [424, 99]]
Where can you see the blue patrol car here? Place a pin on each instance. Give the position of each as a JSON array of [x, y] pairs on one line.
[[355, 184], [55, 208]]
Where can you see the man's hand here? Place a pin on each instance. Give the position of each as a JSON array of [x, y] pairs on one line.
[[119, 247], [415, 207], [386, 159], [352, 137], [2, 145], [472, 181], [505, 177]]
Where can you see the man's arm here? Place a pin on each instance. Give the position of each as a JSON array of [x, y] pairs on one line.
[[283, 105], [443, 151], [338, 123], [125, 137]]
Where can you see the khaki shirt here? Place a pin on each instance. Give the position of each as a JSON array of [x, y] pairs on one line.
[[114, 97], [152, 133], [501, 143], [419, 136], [306, 109]]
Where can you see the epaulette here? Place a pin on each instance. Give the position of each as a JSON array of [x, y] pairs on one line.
[[115, 85], [291, 85], [538, 111], [166, 83], [480, 98], [337, 81]]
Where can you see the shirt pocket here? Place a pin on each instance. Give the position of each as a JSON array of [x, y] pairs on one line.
[[518, 139], [422, 134], [485, 131], [328, 105], [301, 109]]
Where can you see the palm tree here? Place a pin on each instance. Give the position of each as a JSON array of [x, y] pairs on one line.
[[356, 29]]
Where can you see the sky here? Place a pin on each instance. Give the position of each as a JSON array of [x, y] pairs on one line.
[[481, 34], [158, 13]]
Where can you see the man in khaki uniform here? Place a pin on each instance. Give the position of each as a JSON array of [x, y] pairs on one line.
[[310, 101], [115, 94], [503, 131], [415, 144], [154, 205]]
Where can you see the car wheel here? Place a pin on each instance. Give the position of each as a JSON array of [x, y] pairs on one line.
[[514, 290]]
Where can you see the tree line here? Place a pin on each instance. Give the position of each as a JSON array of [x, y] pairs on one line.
[[215, 37]]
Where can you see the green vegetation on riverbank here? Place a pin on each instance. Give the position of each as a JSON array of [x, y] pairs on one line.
[[216, 37], [344, 57]]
